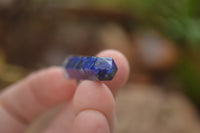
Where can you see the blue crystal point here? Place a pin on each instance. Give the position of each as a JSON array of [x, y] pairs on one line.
[[90, 68]]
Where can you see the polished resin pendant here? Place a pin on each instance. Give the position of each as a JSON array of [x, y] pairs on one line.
[[90, 68]]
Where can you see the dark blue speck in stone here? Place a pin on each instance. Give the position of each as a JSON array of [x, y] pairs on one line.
[[90, 68]]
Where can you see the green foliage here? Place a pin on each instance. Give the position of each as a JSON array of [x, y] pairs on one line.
[[189, 74], [180, 20]]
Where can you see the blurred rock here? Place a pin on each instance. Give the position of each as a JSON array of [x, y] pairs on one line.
[[112, 36], [72, 37], [153, 51], [148, 109], [140, 77], [6, 3]]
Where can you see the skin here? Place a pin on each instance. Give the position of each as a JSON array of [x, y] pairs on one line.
[[90, 105]]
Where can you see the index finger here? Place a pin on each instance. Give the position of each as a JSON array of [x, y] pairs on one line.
[[24, 101]]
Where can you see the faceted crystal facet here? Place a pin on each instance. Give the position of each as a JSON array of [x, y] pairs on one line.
[[91, 68]]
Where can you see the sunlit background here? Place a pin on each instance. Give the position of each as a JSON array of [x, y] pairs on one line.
[[160, 38]]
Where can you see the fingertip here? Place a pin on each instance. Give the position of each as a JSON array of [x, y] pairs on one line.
[[122, 74], [94, 95], [90, 121]]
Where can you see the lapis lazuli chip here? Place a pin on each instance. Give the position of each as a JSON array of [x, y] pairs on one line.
[[90, 68]]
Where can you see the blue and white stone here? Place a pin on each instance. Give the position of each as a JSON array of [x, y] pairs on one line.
[[90, 68]]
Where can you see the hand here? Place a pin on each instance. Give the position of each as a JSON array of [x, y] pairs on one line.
[[90, 105]]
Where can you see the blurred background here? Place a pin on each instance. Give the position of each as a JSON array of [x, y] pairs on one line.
[[161, 40]]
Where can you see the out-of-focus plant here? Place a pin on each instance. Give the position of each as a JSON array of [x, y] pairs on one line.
[[189, 74], [179, 20]]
